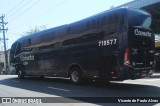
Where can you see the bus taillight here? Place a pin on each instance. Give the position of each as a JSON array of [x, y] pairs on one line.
[[126, 60]]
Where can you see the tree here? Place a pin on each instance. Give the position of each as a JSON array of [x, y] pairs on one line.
[[34, 30]]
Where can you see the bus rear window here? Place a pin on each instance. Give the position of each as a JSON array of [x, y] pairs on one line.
[[139, 18]]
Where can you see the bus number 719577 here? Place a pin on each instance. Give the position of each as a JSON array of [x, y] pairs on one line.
[[107, 42]]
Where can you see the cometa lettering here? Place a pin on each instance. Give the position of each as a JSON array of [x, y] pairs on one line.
[[23, 58], [142, 33]]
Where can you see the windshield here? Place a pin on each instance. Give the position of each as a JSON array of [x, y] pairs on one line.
[[139, 18]]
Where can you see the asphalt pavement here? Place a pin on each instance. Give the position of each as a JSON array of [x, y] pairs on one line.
[[11, 86]]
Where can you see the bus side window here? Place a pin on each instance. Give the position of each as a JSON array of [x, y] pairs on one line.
[[27, 42], [115, 18], [58, 44], [70, 42], [121, 20], [110, 35], [88, 25], [103, 20], [18, 48], [13, 50], [91, 37], [123, 26], [110, 19], [69, 30], [98, 22], [93, 23]]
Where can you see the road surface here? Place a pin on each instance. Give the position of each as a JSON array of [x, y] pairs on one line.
[[11, 86]]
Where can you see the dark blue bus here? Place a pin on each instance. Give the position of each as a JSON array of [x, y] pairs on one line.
[[117, 44]]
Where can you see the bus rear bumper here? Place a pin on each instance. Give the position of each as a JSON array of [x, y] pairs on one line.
[[129, 73]]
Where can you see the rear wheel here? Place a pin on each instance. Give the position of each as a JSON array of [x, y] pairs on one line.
[[20, 73], [75, 75]]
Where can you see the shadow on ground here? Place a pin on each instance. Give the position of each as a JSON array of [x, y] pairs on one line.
[[85, 90]]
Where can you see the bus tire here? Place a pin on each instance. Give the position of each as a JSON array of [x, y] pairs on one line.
[[75, 75], [20, 73]]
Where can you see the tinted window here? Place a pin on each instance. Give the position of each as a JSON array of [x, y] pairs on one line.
[[93, 23], [139, 18], [121, 19], [115, 18], [68, 29], [98, 22], [88, 25], [90, 37], [70, 41], [103, 20], [109, 21], [13, 48], [27, 42], [18, 48]]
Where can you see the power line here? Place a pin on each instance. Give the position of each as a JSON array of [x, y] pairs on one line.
[[45, 12], [25, 11], [15, 7], [13, 33], [20, 8], [58, 5]]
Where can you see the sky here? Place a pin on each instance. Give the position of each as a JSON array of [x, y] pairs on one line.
[[24, 15]]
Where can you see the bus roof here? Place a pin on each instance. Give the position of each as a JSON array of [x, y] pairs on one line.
[[64, 27], [59, 27]]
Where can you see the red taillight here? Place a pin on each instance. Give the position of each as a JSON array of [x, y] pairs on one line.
[[126, 60]]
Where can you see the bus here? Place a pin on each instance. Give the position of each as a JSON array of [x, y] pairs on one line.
[[117, 44], [157, 55]]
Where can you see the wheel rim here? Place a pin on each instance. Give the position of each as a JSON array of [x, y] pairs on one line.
[[75, 76]]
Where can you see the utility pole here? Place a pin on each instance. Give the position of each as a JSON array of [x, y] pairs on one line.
[[2, 24]]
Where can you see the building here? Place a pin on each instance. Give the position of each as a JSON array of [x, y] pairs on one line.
[[2, 60]]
